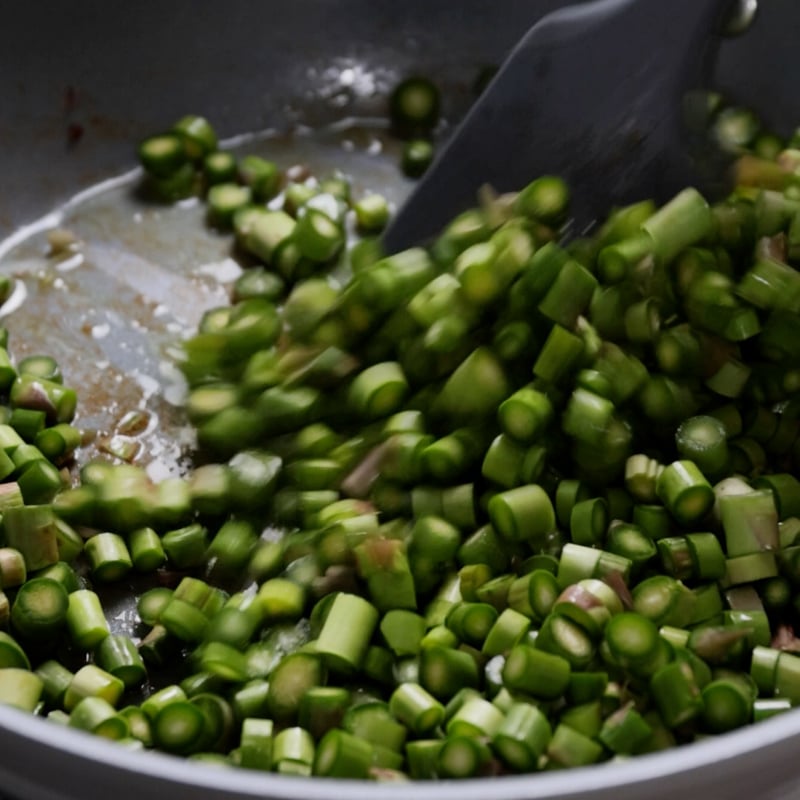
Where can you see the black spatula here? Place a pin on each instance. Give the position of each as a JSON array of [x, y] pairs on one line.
[[593, 93]]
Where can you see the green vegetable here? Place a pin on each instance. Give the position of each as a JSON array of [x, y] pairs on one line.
[[456, 509], [163, 155], [417, 157], [39, 610], [414, 106]]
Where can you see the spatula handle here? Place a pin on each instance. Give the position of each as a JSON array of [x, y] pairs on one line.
[[676, 29]]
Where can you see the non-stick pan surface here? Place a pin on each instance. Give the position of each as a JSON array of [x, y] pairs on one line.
[[80, 83]]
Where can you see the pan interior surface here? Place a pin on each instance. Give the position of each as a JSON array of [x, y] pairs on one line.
[[112, 310], [139, 277], [142, 275]]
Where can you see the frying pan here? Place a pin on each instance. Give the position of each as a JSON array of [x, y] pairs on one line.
[[79, 83]]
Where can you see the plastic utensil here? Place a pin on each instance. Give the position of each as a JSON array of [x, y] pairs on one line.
[[594, 93]]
